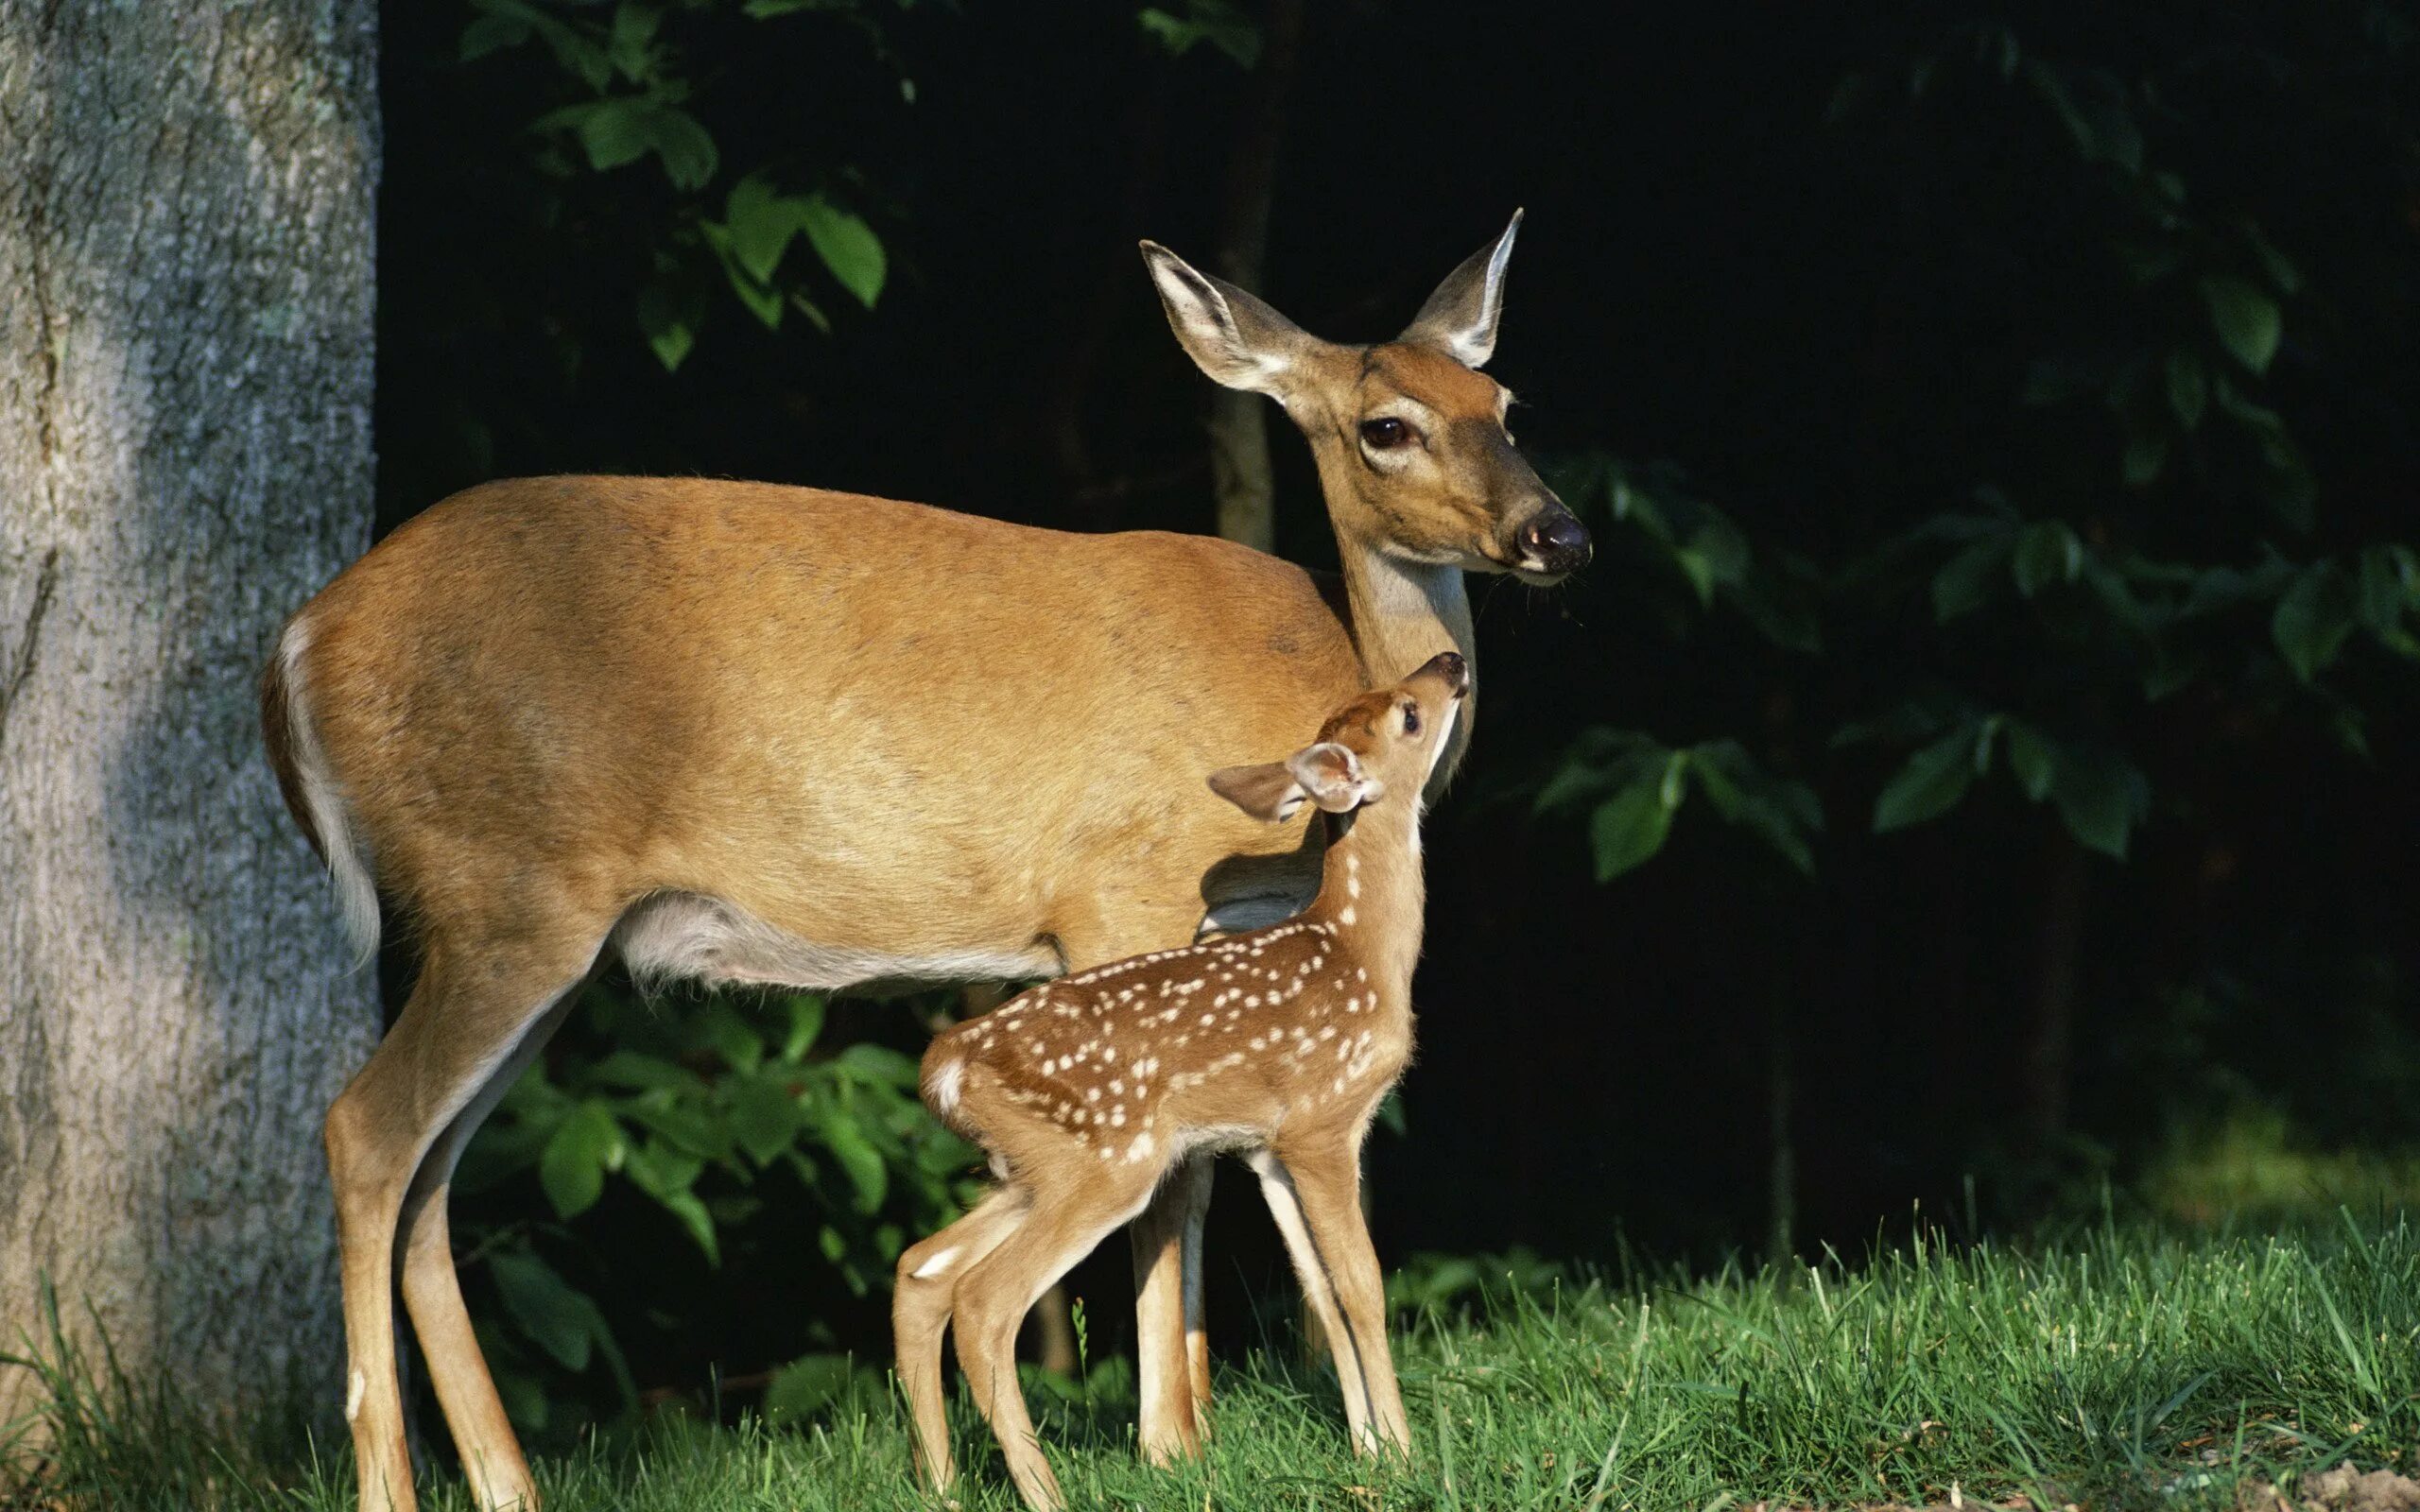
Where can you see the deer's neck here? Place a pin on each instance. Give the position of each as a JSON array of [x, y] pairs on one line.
[[1372, 897], [1404, 613]]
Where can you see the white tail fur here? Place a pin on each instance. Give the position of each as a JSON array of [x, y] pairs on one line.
[[356, 891]]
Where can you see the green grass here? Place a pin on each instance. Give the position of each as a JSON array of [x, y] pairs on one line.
[[2116, 1369]]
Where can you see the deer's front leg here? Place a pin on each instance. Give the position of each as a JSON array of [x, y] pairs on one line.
[[1172, 1351]]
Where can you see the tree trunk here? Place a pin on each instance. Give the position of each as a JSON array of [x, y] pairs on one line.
[[185, 224], [1781, 1146], [2049, 1035], [1239, 423]]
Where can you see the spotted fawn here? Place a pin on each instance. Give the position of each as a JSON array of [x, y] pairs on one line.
[[1277, 1044]]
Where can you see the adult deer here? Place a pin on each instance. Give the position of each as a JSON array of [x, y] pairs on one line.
[[1277, 1043], [757, 734]]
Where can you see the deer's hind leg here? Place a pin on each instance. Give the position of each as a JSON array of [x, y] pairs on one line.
[[920, 1311], [491, 1455], [470, 1014]]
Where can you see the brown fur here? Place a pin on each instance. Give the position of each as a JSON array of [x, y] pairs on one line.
[[1280, 1041], [823, 739]]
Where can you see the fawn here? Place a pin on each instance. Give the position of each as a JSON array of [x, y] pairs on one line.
[[1279, 1043]]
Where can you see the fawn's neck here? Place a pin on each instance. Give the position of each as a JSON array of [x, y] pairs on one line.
[[1372, 897]]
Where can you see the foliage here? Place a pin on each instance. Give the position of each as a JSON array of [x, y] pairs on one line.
[[708, 1108], [2078, 593], [628, 94], [2116, 1368]]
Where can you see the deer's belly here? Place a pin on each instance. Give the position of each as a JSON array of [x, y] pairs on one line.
[[691, 936]]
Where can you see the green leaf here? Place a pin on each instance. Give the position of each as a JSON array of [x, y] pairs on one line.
[[2100, 798], [762, 223], [2046, 553], [668, 324], [1630, 827], [809, 1384], [1213, 20], [1964, 583], [2383, 597], [2189, 388], [1935, 778], [805, 1011], [1599, 760], [572, 1168], [858, 1158], [879, 1065], [559, 1317], [633, 1072], [764, 1118], [2247, 320], [730, 1035], [2146, 454], [617, 132], [1781, 812], [2313, 619], [848, 246], [2032, 758], [631, 43], [493, 33], [693, 1218]]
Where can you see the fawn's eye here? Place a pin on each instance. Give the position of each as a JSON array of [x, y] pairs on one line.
[[1384, 434], [1412, 719]]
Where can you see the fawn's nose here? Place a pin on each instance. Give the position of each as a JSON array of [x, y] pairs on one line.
[[1555, 541], [1453, 668]]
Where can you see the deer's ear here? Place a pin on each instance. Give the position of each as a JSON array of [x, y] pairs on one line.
[[1267, 792], [1332, 775], [1460, 318], [1239, 341]]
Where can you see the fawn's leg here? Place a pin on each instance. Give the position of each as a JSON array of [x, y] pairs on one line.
[[1065, 1223], [1171, 1351], [492, 1458], [1326, 1176], [1318, 1293], [465, 1020], [920, 1310]]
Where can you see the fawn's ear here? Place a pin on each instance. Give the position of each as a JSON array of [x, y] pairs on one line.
[[1332, 775], [1267, 792], [1326, 774]]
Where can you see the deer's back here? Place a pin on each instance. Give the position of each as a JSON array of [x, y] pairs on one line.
[[847, 716]]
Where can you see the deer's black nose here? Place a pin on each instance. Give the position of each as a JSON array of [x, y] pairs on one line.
[[1555, 541]]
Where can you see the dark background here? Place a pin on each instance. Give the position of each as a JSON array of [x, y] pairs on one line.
[[1819, 259]]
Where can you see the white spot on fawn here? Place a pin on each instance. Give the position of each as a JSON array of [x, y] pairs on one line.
[[947, 1083]]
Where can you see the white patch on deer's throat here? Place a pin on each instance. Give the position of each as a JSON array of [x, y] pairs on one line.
[[937, 1264]]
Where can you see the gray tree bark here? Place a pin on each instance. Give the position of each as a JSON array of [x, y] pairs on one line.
[[1237, 424], [185, 299]]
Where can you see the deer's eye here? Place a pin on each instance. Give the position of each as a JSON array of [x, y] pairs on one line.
[[1412, 719], [1384, 434]]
